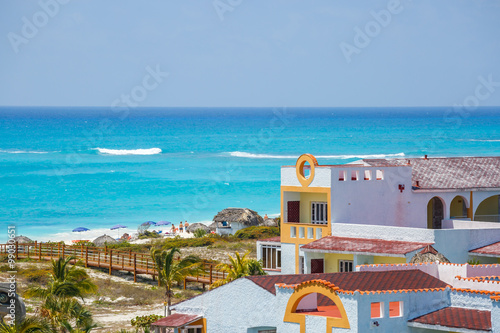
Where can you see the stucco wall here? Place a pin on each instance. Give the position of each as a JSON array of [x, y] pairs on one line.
[[470, 300], [287, 258], [229, 308]]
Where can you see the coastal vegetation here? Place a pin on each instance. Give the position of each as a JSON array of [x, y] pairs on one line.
[[239, 266], [171, 270], [60, 307]]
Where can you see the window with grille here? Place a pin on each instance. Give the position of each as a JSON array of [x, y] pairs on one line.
[[319, 212], [271, 256], [345, 265]]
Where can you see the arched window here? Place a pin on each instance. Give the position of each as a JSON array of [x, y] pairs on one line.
[[488, 210], [435, 213], [458, 208]]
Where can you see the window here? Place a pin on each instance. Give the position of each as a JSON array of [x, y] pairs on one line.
[[395, 309], [302, 232], [271, 256], [293, 232], [345, 265], [194, 330], [319, 212], [368, 175], [377, 310], [342, 177], [310, 233], [354, 175], [380, 174], [319, 233]]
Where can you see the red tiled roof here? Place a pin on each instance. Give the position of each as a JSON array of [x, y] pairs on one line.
[[429, 249], [176, 320], [363, 281], [364, 245], [276, 239], [492, 249], [457, 318], [448, 172]]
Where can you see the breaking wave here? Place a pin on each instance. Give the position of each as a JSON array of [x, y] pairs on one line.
[[342, 157], [149, 151], [24, 152]]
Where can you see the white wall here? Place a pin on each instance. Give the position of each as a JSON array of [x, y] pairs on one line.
[[287, 258], [234, 307]]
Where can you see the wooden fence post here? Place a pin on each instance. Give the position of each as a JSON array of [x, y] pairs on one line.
[[40, 252], [28, 251], [135, 266], [98, 258], [110, 261], [17, 251], [86, 256], [211, 267], [63, 249]]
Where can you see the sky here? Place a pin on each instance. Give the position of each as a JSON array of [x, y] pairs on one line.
[[228, 53]]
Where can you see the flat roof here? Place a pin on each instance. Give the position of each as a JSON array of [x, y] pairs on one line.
[[454, 317], [334, 244]]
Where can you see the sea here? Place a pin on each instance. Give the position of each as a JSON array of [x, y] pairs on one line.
[[63, 168]]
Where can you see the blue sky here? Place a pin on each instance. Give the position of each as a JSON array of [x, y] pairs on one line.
[[248, 53]]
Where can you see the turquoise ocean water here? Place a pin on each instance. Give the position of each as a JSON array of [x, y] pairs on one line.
[[64, 168]]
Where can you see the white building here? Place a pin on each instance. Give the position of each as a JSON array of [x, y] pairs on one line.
[[335, 217]]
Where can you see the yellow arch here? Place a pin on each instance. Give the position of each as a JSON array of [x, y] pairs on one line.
[[320, 288], [299, 168]]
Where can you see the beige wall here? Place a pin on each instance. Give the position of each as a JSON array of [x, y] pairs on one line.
[[305, 204], [332, 261]]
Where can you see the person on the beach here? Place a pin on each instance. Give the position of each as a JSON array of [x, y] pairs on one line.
[[173, 228], [186, 225], [180, 227]]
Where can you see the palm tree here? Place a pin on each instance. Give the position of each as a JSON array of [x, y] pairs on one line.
[[170, 270], [28, 325], [240, 266], [65, 281], [59, 298]]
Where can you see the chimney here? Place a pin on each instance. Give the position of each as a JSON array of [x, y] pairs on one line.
[[418, 183], [425, 157]]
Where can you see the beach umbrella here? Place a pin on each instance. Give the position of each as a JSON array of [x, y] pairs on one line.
[[149, 223], [80, 229], [163, 223], [118, 226]]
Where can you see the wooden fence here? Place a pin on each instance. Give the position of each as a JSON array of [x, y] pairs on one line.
[[103, 257]]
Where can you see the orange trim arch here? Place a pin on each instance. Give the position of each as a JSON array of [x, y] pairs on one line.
[[315, 286], [299, 168]]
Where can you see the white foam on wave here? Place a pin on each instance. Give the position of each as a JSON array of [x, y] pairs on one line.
[[483, 140], [24, 151], [342, 157], [148, 151]]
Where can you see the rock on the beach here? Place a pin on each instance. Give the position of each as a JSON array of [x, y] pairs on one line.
[[195, 226]]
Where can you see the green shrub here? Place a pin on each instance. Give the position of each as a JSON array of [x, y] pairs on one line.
[[148, 234], [198, 233], [257, 232], [144, 322]]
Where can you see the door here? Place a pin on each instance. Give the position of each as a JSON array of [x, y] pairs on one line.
[[437, 213], [293, 211], [317, 265]]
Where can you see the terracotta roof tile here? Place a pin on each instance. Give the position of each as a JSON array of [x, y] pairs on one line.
[[412, 279], [429, 249], [458, 318], [492, 249], [176, 320], [378, 246], [449, 172]]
